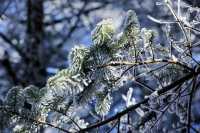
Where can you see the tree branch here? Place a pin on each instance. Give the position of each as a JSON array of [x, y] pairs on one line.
[[190, 105], [36, 121], [14, 46], [133, 107], [117, 63], [81, 12], [8, 67]]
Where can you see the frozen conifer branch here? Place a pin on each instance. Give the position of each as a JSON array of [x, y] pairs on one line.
[[133, 107], [110, 64]]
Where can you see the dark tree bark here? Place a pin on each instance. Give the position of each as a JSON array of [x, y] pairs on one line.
[[9, 69], [35, 72]]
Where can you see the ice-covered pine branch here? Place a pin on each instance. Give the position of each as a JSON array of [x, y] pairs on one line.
[[113, 60]]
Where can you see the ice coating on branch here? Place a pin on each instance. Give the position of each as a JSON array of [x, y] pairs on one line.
[[103, 104], [68, 81], [131, 19], [147, 36], [77, 57], [132, 101], [103, 32]]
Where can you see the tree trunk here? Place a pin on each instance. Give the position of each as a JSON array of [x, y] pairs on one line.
[[35, 72]]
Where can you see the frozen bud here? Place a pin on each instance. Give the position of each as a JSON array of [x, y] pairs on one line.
[[131, 19], [103, 32], [147, 36]]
